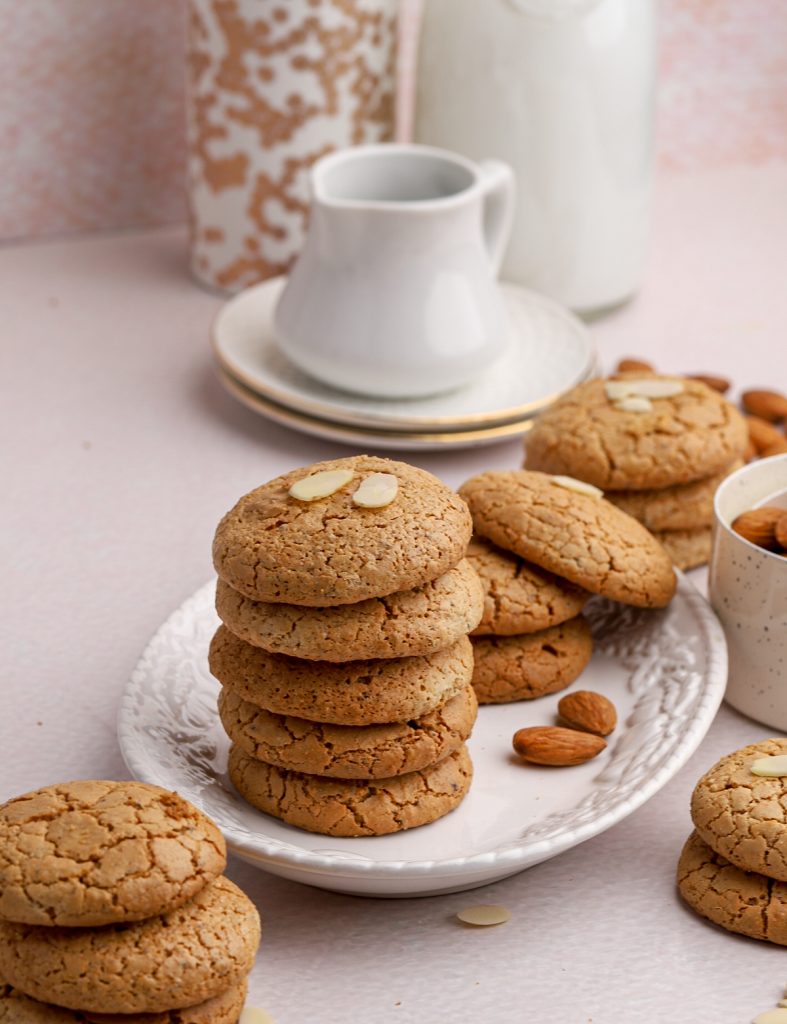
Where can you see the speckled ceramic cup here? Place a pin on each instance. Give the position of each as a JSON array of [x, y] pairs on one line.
[[748, 591]]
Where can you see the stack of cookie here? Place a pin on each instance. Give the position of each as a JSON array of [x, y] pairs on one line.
[[658, 447], [112, 901], [343, 655], [545, 542], [733, 867]]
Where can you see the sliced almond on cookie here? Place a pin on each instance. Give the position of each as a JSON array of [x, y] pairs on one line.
[[320, 485], [569, 483], [646, 387], [634, 403], [376, 490]]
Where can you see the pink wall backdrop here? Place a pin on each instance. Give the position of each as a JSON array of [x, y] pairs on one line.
[[91, 103]]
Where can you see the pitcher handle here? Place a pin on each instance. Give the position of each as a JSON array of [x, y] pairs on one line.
[[499, 191]]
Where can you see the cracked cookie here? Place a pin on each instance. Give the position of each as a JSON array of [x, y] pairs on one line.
[[354, 693], [272, 547], [684, 437], [682, 507], [580, 537], [16, 1008], [419, 621], [178, 959], [348, 751], [739, 901], [509, 668], [743, 816], [687, 548], [519, 597], [353, 807], [94, 853]]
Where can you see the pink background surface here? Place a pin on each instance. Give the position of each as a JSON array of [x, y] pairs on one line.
[[91, 117]]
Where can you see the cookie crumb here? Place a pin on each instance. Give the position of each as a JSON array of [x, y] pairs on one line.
[[484, 915]]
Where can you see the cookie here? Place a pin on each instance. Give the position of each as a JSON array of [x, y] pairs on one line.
[[683, 507], [743, 816], [179, 959], [348, 751], [687, 548], [520, 597], [94, 853], [509, 668], [225, 1008], [740, 901], [417, 621], [272, 547], [690, 436], [355, 693], [582, 538], [353, 807]]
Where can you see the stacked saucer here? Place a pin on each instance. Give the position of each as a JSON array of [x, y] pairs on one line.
[[548, 352]]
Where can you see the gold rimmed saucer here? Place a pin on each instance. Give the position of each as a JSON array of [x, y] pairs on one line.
[[398, 440], [549, 351]]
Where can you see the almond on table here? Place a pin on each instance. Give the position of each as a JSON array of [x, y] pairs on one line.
[[634, 366], [768, 405], [762, 434], [720, 384]]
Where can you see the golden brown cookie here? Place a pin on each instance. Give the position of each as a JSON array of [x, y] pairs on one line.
[[93, 853], [225, 1008], [272, 547], [582, 538], [687, 548], [689, 436], [683, 507], [353, 807], [520, 597], [417, 621], [743, 816], [348, 751], [355, 693], [509, 668], [179, 959], [740, 901]]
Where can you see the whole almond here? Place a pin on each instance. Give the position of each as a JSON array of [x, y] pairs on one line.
[[720, 384], [634, 366], [759, 526], [777, 448], [768, 405], [588, 711], [554, 745], [762, 434], [780, 530]]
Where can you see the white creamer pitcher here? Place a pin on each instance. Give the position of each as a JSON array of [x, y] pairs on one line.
[[395, 292], [563, 90]]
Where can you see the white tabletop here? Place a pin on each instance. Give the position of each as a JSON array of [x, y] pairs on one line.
[[120, 451]]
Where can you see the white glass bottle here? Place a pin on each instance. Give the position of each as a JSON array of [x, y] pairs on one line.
[[563, 91]]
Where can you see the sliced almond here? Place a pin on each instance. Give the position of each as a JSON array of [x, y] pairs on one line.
[[773, 767], [569, 483], [634, 403], [758, 526], [484, 915], [376, 490], [768, 405], [320, 485], [645, 387]]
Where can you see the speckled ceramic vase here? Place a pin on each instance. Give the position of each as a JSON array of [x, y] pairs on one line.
[[748, 591], [274, 85]]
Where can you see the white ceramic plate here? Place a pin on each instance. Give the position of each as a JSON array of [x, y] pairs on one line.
[[664, 670], [549, 351], [364, 437]]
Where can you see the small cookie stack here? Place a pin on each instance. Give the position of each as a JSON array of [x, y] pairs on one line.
[[343, 655], [545, 543], [658, 447], [733, 867], [112, 901]]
